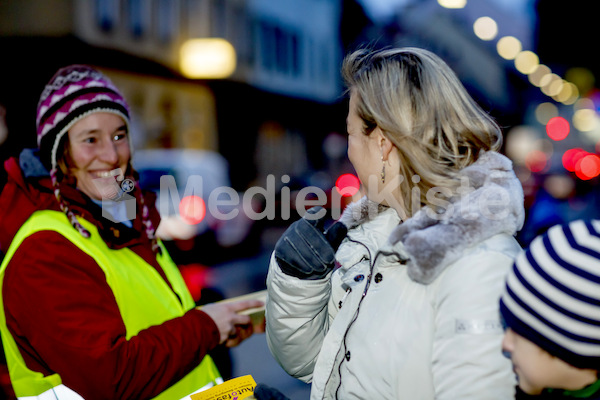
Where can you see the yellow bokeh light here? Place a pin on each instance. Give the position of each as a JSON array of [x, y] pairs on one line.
[[547, 79], [209, 58], [508, 47], [585, 119], [573, 96], [452, 3], [485, 28], [583, 78], [545, 111], [555, 87], [566, 92], [551, 87], [538, 77], [526, 62]]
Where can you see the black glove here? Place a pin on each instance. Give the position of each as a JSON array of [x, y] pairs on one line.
[[305, 251], [264, 392]]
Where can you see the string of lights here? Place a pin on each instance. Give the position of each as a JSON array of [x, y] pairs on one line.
[[576, 91]]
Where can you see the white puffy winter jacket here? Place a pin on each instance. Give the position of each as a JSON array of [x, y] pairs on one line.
[[412, 310]]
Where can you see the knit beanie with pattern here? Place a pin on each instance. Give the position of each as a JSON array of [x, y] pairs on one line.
[[552, 293], [73, 93]]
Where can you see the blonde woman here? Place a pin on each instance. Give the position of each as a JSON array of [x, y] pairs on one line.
[[406, 307]]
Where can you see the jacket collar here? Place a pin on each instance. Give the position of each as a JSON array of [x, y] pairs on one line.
[[490, 202]]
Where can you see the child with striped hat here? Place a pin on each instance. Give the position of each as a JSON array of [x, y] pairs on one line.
[[551, 307]]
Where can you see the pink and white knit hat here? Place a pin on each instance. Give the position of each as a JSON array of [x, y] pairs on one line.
[[73, 93]]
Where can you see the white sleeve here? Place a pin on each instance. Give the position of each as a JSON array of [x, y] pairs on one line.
[[297, 320], [468, 363]]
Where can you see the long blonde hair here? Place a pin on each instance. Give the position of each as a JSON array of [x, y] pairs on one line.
[[422, 107]]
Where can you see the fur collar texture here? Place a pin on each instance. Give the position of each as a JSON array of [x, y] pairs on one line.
[[489, 202]]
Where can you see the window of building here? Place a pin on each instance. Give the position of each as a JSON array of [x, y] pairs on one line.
[[281, 49], [267, 43], [167, 20], [137, 19], [106, 14]]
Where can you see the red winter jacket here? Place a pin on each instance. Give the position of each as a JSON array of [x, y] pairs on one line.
[[63, 314]]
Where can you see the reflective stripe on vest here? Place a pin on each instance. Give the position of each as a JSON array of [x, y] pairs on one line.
[[143, 297], [58, 392]]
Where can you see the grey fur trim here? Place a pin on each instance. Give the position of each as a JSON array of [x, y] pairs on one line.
[[360, 212], [490, 203]]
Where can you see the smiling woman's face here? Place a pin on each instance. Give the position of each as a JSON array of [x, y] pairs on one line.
[[98, 145]]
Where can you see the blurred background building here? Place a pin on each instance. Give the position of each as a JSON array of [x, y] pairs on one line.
[[240, 90]]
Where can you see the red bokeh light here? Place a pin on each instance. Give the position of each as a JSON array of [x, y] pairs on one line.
[[194, 276], [571, 157], [347, 185], [558, 128], [192, 209], [588, 167], [536, 161]]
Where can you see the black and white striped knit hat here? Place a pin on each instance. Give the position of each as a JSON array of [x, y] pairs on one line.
[[552, 293]]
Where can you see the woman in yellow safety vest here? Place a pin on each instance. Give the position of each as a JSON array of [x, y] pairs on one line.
[[92, 305]]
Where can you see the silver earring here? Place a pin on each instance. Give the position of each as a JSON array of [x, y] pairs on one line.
[[383, 171]]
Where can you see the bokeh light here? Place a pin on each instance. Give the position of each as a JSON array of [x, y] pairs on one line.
[[584, 103], [571, 157], [526, 62], [585, 119], [555, 87], [538, 76], [508, 47], [568, 93], [520, 141], [588, 167], [544, 112], [195, 278], [583, 78], [207, 58], [452, 3], [485, 28], [347, 185], [536, 161], [192, 209], [558, 128], [550, 84]]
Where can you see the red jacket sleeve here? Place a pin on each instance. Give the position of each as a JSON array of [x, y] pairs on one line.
[[65, 319]]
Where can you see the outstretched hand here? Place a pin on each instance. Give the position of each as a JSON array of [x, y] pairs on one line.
[[233, 327]]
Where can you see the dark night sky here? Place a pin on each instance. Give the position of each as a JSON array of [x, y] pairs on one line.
[[567, 34]]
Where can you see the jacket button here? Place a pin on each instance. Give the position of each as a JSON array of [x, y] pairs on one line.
[[348, 355], [378, 277], [359, 278]]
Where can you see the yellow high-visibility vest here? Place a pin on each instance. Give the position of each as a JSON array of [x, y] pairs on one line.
[[143, 297]]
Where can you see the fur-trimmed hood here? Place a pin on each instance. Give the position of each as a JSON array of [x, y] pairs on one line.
[[490, 202]]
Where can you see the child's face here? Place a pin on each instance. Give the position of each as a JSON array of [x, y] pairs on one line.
[[537, 369]]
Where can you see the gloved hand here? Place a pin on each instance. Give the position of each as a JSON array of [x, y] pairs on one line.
[[264, 392], [305, 251]]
